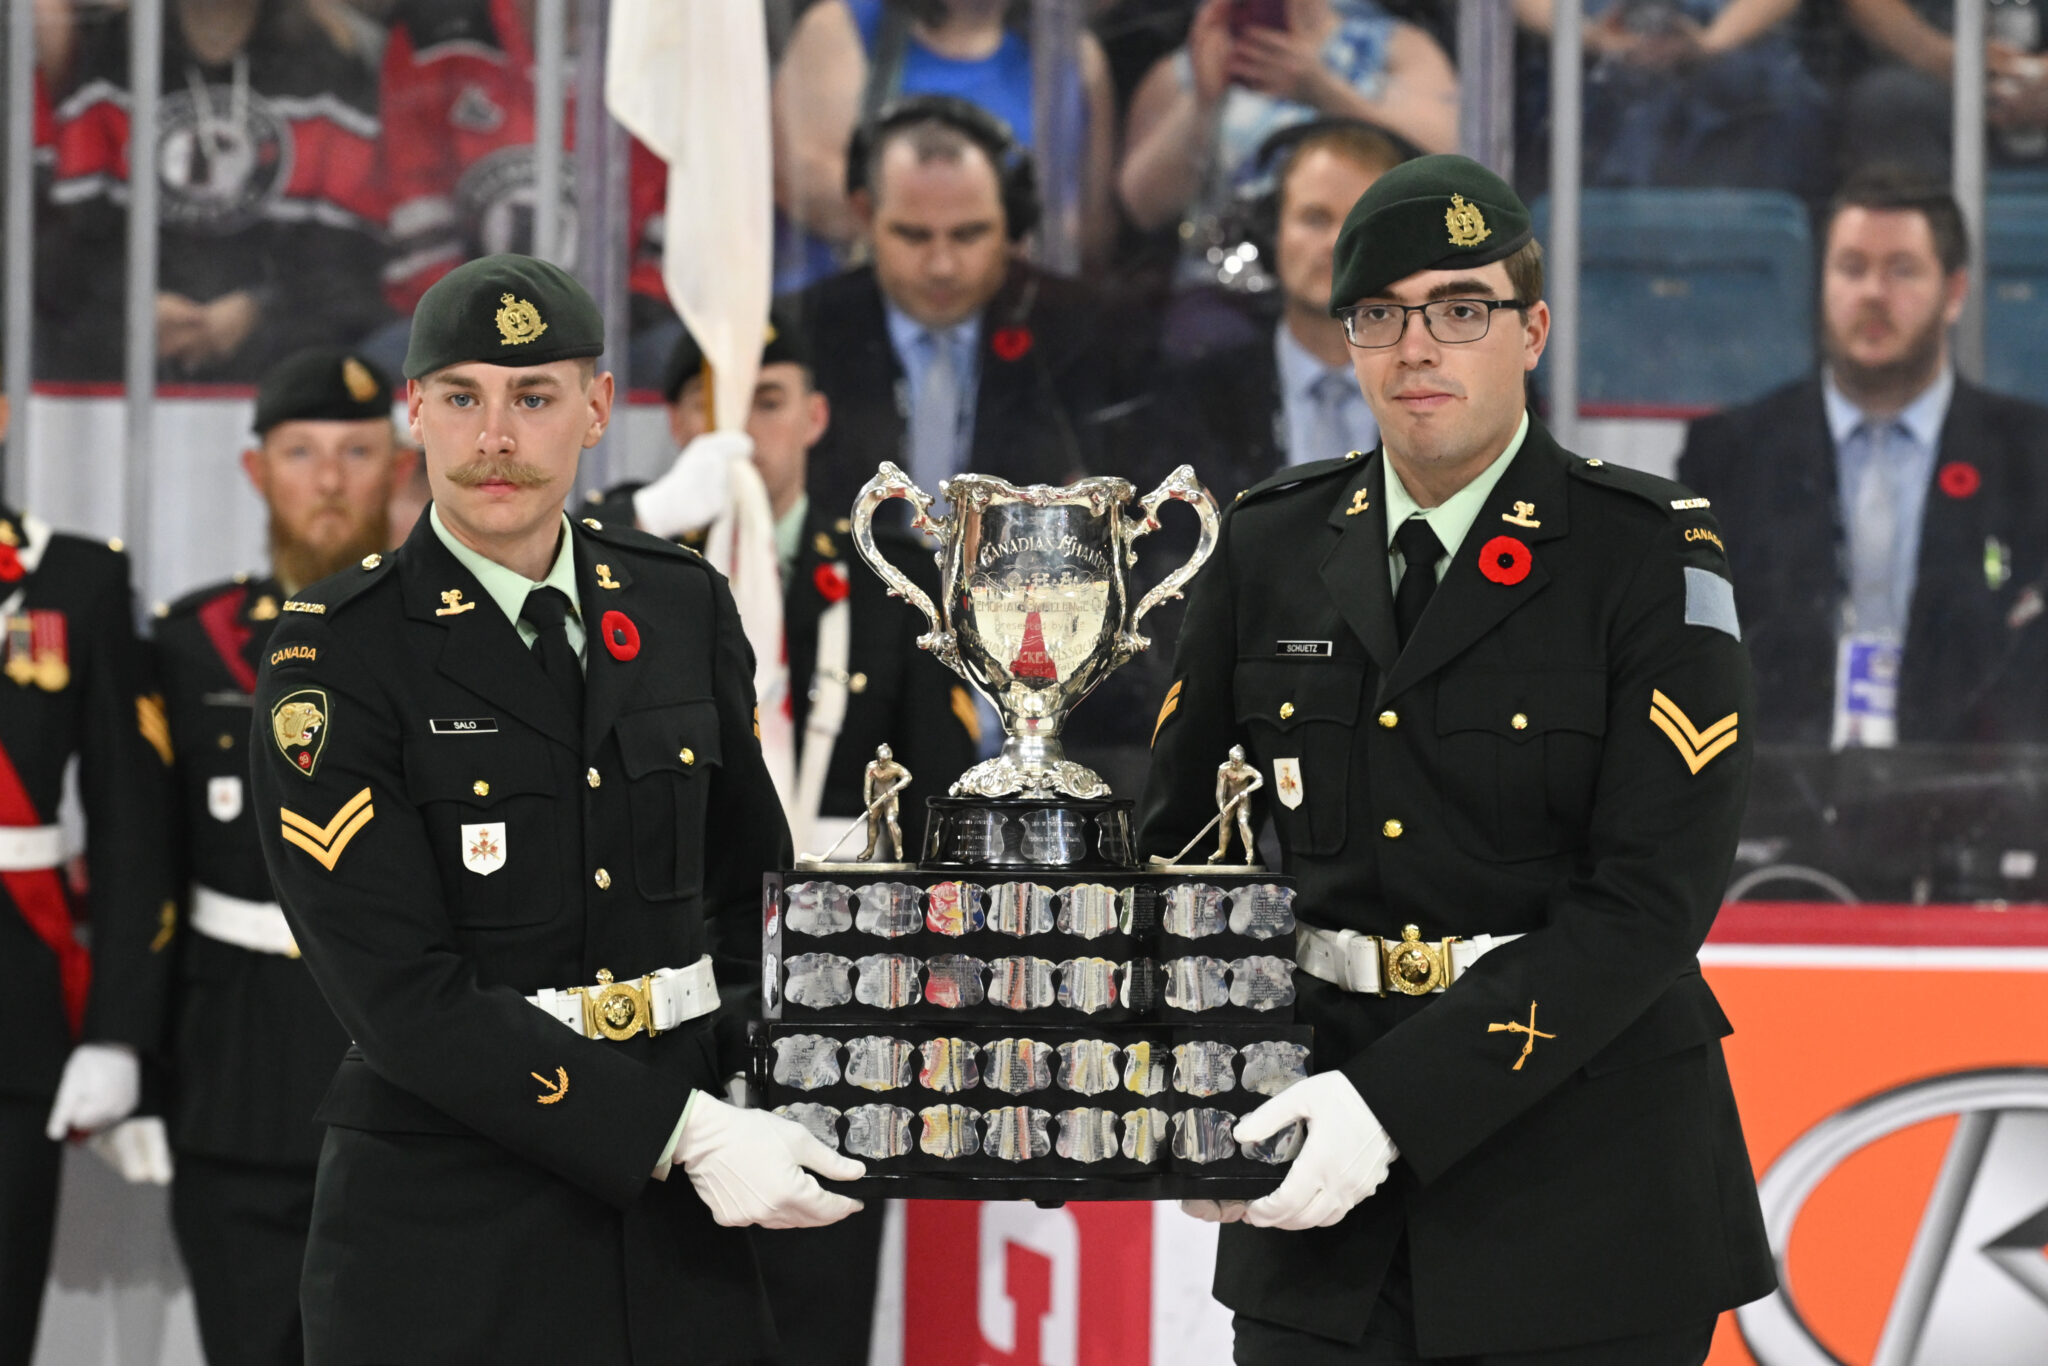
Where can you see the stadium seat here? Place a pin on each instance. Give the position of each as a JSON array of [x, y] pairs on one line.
[[2016, 293], [1691, 298]]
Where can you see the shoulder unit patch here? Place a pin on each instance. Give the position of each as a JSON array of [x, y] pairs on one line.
[[298, 723]]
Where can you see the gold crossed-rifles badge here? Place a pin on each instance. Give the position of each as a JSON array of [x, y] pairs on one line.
[[1465, 223], [1529, 1032], [518, 321], [1697, 747]]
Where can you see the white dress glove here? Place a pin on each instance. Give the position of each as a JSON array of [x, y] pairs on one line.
[[101, 1084], [695, 489], [748, 1166], [139, 1149], [1344, 1158]]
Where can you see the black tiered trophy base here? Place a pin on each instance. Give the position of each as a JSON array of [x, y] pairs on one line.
[[896, 998], [983, 833]]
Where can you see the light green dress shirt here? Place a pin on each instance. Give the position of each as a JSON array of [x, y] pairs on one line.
[[508, 587], [1451, 519], [789, 532]]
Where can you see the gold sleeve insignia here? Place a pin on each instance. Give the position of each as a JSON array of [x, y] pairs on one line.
[[167, 927], [1167, 708], [1529, 1032], [1697, 747], [326, 842], [556, 1089], [149, 719], [967, 713]]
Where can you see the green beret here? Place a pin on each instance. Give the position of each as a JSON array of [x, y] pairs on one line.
[[505, 310], [784, 343], [1433, 213], [324, 384]]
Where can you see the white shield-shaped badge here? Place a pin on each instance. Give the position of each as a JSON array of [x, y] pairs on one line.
[[1287, 782], [483, 847], [224, 797]]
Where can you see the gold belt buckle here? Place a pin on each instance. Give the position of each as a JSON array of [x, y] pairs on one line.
[[1412, 967], [618, 1010]]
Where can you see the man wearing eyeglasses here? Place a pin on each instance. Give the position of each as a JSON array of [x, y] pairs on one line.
[[1502, 702]]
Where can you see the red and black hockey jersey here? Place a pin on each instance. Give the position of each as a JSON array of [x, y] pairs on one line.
[[457, 149], [266, 174]]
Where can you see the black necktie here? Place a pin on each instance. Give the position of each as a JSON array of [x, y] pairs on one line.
[[1420, 550], [547, 612]]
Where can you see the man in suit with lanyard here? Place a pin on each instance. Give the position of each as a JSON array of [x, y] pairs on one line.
[[1500, 699], [513, 802], [253, 1044], [1885, 514]]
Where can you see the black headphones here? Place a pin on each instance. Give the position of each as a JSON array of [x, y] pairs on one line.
[[1271, 164], [1016, 173]]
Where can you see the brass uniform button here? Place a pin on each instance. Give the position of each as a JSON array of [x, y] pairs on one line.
[[604, 880], [1286, 710], [1520, 721], [592, 778], [481, 788], [593, 524], [1392, 830], [857, 683], [1389, 720], [688, 756], [116, 545], [372, 561], [227, 742], [1596, 464]]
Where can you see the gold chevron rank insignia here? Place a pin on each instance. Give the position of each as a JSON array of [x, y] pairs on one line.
[[326, 842], [1697, 747]]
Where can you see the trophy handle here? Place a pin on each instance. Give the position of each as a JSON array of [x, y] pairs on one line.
[[1182, 486], [891, 482]]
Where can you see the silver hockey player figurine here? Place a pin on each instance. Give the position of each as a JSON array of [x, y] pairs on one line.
[[1236, 780], [881, 788]]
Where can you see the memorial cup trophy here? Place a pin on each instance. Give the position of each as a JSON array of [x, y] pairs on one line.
[[1025, 1012]]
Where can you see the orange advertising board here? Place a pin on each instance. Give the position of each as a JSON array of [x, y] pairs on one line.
[[1892, 1069]]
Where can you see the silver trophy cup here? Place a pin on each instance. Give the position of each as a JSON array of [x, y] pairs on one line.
[[1034, 603]]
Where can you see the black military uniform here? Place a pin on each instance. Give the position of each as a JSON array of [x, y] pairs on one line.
[[253, 1044], [1559, 752], [448, 839], [76, 686]]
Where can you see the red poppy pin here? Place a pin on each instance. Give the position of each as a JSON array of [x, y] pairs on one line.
[[1011, 343], [1505, 560], [621, 636], [10, 565], [832, 582], [1959, 479]]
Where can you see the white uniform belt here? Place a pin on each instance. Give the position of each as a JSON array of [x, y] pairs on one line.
[[255, 925], [1408, 965], [619, 1010], [27, 848]]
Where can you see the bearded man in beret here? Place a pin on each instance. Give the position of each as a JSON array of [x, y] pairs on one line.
[[511, 795], [1501, 699]]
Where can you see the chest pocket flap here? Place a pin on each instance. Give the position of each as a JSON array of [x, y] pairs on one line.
[[1288, 693], [1520, 708], [476, 770], [669, 754], [485, 779], [680, 739]]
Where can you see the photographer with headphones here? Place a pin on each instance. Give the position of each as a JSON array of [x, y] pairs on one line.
[[1239, 412]]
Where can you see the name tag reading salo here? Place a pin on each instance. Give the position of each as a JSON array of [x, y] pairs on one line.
[[1302, 649], [463, 725]]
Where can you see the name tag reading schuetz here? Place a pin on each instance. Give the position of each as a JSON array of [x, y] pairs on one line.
[[1314, 649], [463, 725]]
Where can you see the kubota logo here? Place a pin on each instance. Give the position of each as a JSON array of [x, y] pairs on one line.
[[1974, 1290]]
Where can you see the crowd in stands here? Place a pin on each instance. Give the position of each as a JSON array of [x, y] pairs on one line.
[[323, 161]]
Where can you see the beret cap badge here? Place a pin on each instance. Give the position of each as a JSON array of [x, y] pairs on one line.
[[518, 321], [356, 378], [1465, 223]]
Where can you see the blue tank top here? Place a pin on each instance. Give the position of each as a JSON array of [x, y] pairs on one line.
[[999, 82]]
